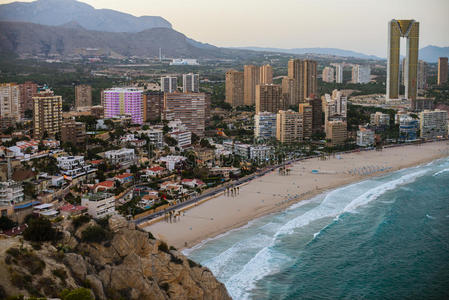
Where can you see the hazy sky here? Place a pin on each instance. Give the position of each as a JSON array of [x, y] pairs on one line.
[[358, 25]]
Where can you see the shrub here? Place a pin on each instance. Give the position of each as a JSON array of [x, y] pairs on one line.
[[61, 273], [14, 252], [176, 260], [95, 234], [173, 248], [193, 264], [165, 286], [151, 236], [6, 223], [77, 294], [78, 221], [163, 247], [40, 230]]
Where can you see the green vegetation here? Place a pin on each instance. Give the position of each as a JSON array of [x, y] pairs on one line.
[[6, 223], [95, 234], [40, 230], [77, 294], [78, 221]]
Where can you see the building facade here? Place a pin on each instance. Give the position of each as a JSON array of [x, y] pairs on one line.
[[265, 125], [190, 83], [153, 103], [339, 73], [189, 108], [251, 78], [269, 98], [27, 91], [234, 88], [306, 112], [365, 137], [304, 75], [99, 205], [433, 123], [288, 127], [422, 75], [266, 74], [83, 96], [361, 73], [169, 84], [122, 156], [336, 133], [9, 104], [408, 128], [328, 74], [124, 102], [380, 119], [73, 132], [442, 70], [47, 115]]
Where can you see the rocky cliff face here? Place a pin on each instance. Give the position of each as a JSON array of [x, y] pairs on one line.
[[129, 265]]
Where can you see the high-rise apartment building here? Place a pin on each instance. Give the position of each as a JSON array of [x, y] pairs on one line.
[[9, 104], [47, 114], [288, 126], [265, 125], [266, 74], [189, 108], [190, 83], [380, 119], [169, 84], [442, 70], [317, 114], [269, 98], [328, 74], [73, 132], [153, 103], [251, 76], [306, 112], [361, 73], [433, 123], [234, 88], [304, 74], [310, 79], [339, 73], [410, 30], [334, 106], [124, 101], [422, 74], [336, 133], [288, 89], [27, 91], [83, 96]]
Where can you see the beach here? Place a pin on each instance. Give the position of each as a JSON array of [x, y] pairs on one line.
[[274, 191]]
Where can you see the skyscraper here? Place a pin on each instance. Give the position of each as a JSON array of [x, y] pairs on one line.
[[288, 126], [310, 79], [306, 112], [303, 73], [328, 74], [169, 84], [153, 103], [410, 30], [288, 89], [190, 83], [339, 73], [27, 91], [47, 114], [266, 74], [422, 74], [9, 104], [83, 96], [234, 88], [317, 112], [265, 125], [124, 101], [251, 76], [361, 74], [442, 70], [187, 107], [269, 98]]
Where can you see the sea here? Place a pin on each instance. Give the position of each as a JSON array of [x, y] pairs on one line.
[[385, 237]]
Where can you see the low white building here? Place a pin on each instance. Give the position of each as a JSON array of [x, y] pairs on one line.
[[122, 156], [184, 138], [261, 152], [380, 119], [365, 137], [171, 161], [99, 205], [11, 193], [74, 166]]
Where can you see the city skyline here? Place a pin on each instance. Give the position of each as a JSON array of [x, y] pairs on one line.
[[302, 24]]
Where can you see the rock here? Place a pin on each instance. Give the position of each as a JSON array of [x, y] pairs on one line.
[[116, 222], [97, 286], [76, 264]]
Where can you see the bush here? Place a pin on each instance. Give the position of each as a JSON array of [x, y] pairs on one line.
[[6, 223], [78, 221], [151, 236], [40, 230], [165, 286], [173, 248], [77, 294], [61, 273], [163, 247], [95, 234], [176, 260], [193, 264]]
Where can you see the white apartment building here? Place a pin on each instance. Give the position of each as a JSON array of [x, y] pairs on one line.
[[328, 74], [10, 102], [171, 161], [190, 83], [339, 73], [335, 105], [365, 137], [433, 123], [99, 205], [169, 84], [11, 193], [122, 156], [380, 119], [265, 125], [261, 152], [74, 166], [184, 138], [361, 73]]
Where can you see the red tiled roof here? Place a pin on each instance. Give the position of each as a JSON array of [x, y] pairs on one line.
[[124, 175], [156, 169], [107, 183], [71, 207]]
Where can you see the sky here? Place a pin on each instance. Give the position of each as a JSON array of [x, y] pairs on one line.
[[358, 25]]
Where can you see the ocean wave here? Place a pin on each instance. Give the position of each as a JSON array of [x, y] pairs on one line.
[[441, 172]]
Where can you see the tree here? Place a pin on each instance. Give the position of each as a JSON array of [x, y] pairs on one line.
[[6, 223], [170, 141], [166, 129], [40, 230], [77, 294]]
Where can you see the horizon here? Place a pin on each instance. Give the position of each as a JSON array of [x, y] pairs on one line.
[[365, 21]]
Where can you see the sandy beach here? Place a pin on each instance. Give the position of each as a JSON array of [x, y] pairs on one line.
[[274, 192]]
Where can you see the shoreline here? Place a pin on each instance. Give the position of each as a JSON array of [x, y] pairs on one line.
[[209, 221]]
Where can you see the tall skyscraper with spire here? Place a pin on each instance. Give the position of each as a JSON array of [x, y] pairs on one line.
[[408, 29]]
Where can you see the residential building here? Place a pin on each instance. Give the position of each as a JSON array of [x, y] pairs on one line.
[[47, 115], [122, 156], [187, 107], [124, 178], [83, 96], [442, 70], [27, 91], [251, 78], [334, 107], [73, 132], [265, 125], [99, 205], [169, 84], [328, 74], [11, 193], [336, 133], [171, 161], [74, 166], [183, 138], [126, 101], [190, 83], [9, 105], [304, 74], [433, 123], [234, 88], [310, 79], [156, 137], [261, 152], [266, 74], [317, 114], [306, 112], [380, 119], [269, 98], [97, 111], [339, 73], [422, 74], [153, 104], [365, 137], [205, 155], [408, 128], [288, 90], [289, 127], [361, 73], [154, 171], [421, 103], [410, 30], [184, 62]]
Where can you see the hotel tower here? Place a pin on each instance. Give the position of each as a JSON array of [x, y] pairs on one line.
[[410, 30]]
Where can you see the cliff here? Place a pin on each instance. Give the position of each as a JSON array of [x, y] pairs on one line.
[[126, 264]]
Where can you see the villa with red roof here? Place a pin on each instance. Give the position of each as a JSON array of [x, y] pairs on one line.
[[104, 186], [124, 178]]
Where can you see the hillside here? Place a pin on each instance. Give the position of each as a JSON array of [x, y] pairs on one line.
[[128, 264], [431, 53], [59, 12]]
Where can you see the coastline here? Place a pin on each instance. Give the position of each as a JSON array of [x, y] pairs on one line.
[[272, 192]]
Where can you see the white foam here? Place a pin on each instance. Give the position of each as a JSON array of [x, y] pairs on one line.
[[441, 172]]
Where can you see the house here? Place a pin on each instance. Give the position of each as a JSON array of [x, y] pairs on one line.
[[148, 201], [154, 171], [122, 156], [171, 187], [45, 210], [124, 178], [138, 143], [70, 210], [99, 205], [104, 186], [193, 183], [74, 166], [172, 160]]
